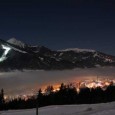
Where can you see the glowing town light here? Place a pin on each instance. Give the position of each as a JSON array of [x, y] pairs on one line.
[[7, 49]]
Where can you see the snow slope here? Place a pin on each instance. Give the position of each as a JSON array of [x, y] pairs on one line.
[[78, 50], [86, 109]]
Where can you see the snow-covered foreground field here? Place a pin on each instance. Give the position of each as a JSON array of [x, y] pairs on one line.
[[93, 109]]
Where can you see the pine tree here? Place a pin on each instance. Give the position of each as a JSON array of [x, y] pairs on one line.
[[1, 99]]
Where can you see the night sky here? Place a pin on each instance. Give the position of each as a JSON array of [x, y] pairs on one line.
[[56, 24]]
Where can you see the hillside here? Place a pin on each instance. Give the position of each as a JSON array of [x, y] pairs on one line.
[[93, 109]]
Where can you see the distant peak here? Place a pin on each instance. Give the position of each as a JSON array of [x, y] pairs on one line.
[[16, 42], [78, 50]]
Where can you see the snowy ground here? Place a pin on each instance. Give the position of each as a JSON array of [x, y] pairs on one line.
[[93, 109]]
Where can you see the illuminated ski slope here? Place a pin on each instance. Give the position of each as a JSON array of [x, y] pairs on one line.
[[7, 49]]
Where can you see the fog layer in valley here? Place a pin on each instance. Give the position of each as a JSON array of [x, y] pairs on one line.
[[29, 81]]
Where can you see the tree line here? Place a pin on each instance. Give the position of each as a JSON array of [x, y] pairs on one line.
[[67, 94]]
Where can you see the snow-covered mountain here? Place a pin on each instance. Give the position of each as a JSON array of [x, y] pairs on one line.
[[24, 56], [16, 42]]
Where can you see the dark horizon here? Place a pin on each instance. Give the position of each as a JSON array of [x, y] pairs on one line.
[[60, 24]]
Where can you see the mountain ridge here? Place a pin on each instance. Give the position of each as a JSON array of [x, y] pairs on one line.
[[24, 56]]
